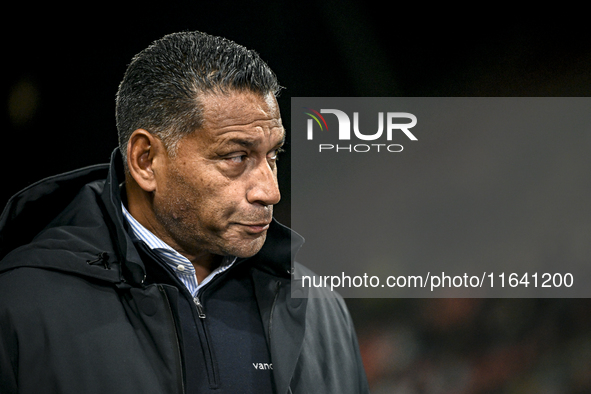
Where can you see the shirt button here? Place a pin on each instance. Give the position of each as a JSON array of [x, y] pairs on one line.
[[180, 267]]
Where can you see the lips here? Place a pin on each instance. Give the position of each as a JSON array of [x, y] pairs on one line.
[[255, 228]]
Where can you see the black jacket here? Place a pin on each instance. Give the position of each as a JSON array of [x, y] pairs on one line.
[[77, 314]]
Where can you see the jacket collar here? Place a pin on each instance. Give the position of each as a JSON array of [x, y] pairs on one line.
[[133, 269]]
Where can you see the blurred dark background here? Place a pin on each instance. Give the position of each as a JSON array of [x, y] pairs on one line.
[[62, 65]]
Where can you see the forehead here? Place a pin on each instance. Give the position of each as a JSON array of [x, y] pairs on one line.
[[241, 112]]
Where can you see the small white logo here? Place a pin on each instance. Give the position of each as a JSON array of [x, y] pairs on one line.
[[345, 125], [386, 125], [263, 366]]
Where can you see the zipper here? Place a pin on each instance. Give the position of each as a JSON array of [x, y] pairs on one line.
[[199, 305], [208, 351], [210, 364], [175, 340]]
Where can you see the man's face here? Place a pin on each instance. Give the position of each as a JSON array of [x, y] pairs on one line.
[[216, 195]]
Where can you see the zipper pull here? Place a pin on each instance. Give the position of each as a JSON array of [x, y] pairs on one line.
[[200, 308], [103, 258]]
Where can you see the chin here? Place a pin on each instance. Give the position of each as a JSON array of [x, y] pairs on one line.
[[246, 248]]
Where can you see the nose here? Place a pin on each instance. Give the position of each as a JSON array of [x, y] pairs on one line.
[[264, 187]]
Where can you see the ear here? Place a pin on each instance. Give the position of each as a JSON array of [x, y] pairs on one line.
[[144, 151]]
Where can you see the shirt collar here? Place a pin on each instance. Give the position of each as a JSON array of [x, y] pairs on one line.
[[181, 266]]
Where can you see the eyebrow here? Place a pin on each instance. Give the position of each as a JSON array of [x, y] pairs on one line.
[[247, 143], [251, 143]]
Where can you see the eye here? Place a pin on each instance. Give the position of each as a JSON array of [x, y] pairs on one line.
[[236, 159], [274, 153]]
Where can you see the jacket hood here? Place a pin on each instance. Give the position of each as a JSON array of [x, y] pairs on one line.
[[73, 222]]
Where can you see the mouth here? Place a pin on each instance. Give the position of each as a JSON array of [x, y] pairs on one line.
[[255, 228]]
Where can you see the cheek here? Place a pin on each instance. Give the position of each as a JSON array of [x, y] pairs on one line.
[[176, 197], [203, 205], [205, 196], [216, 207]]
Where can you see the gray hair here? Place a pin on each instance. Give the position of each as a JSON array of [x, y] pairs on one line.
[[161, 87]]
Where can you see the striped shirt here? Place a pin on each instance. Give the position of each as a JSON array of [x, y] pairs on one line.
[[180, 265]]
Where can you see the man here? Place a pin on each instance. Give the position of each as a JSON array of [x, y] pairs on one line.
[[164, 272]]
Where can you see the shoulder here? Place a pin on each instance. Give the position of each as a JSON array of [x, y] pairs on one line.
[[330, 340], [325, 307], [28, 297], [28, 290], [57, 255], [36, 283]]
